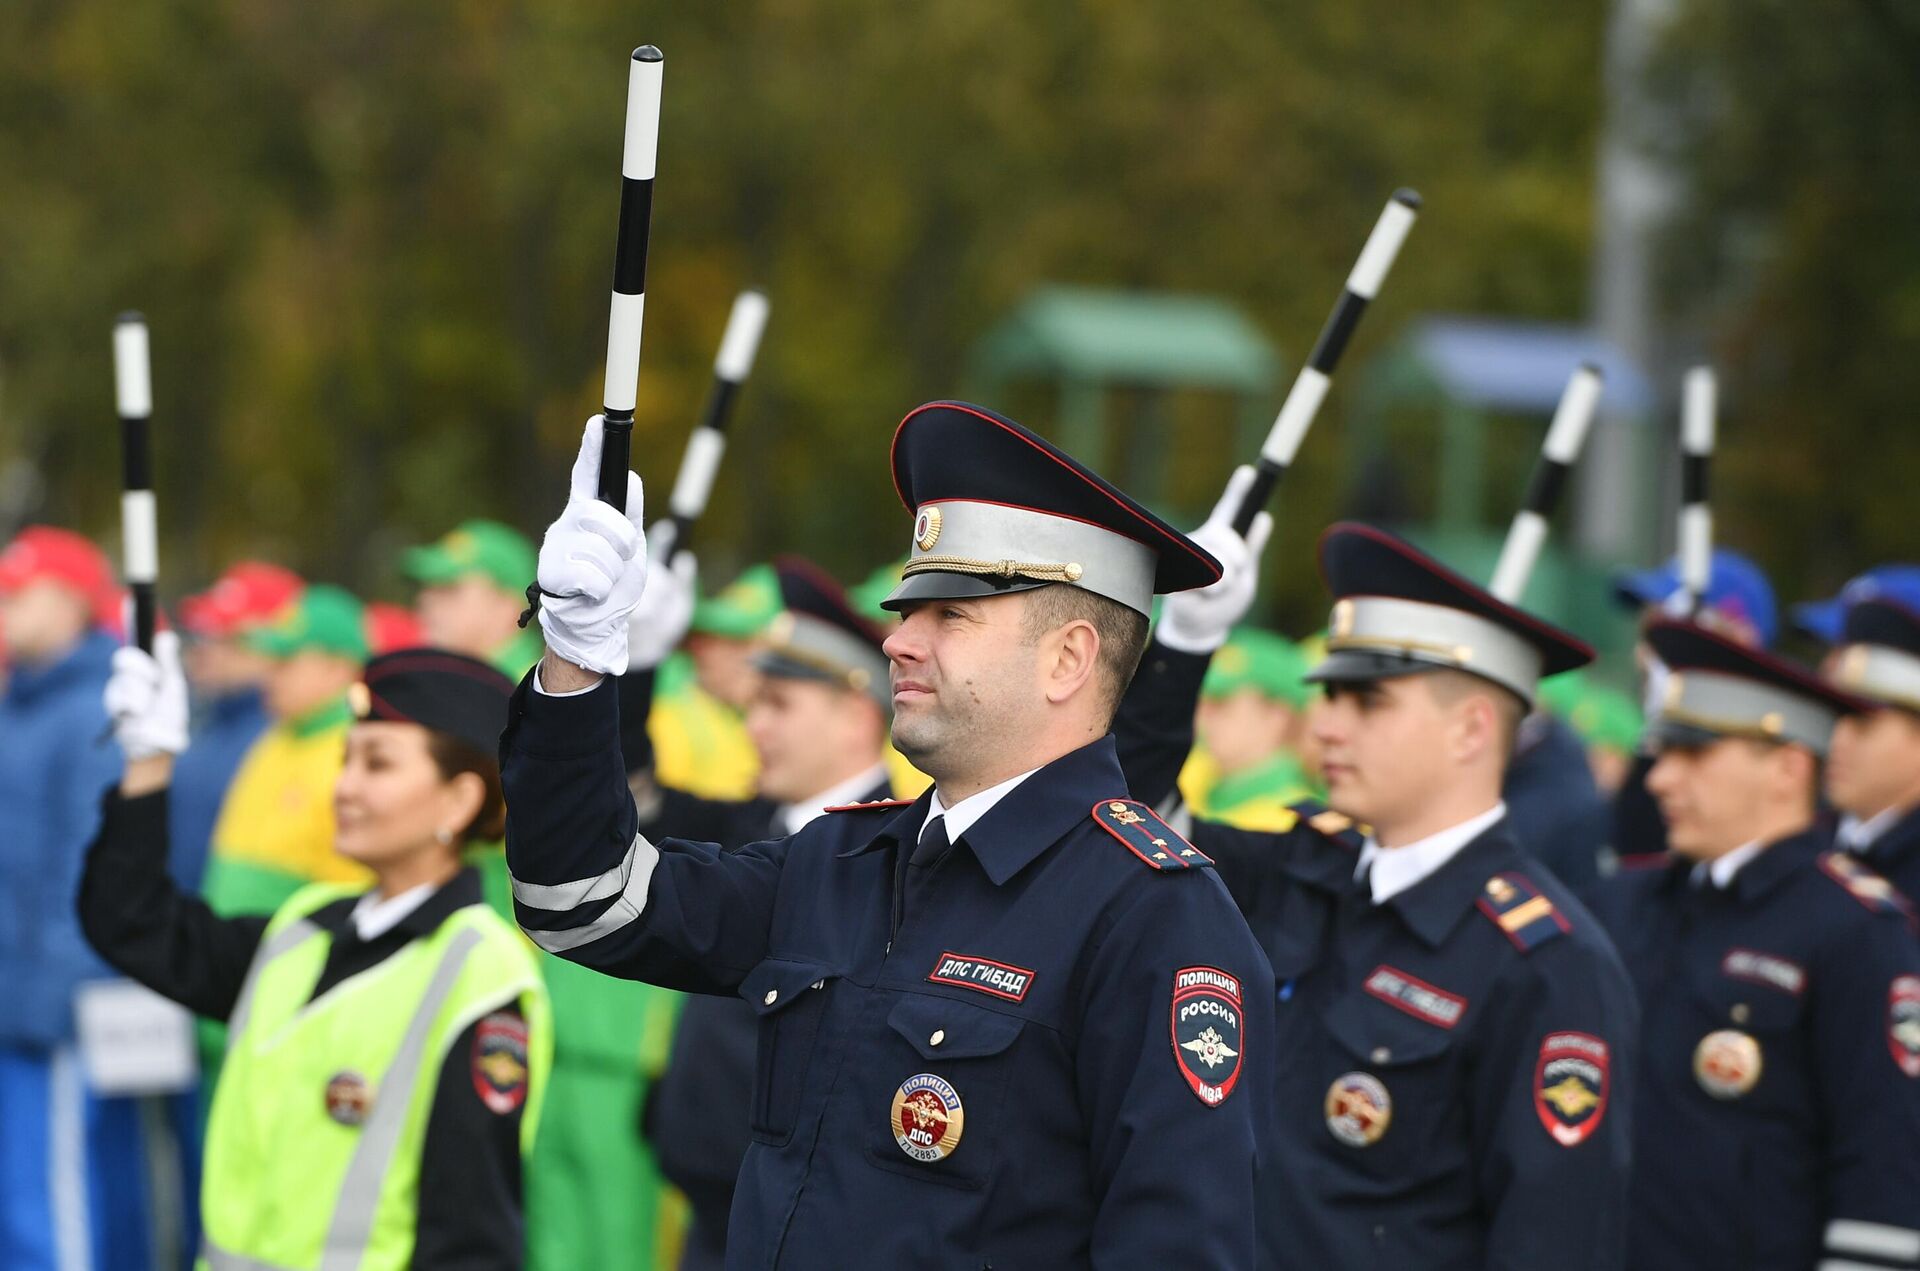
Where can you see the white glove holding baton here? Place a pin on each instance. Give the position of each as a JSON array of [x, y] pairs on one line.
[[593, 566], [1199, 621], [146, 697], [660, 621]]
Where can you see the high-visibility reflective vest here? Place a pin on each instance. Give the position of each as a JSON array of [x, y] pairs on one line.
[[320, 1117]]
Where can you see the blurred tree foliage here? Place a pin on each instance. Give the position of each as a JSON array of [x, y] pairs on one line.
[[1797, 252], [373, 238]]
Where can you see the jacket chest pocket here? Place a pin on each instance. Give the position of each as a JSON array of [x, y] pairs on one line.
[[791, 1000], [1747, 1041], [940, 1080], [1393, 1096]]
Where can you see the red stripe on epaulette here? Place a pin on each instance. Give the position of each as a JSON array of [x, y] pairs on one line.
[[1144, 834], [864, 807], [1866, 885]]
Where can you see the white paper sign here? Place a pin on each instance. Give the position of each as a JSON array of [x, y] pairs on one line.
[[133, 1041]]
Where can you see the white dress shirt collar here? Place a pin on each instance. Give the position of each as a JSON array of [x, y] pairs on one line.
[[374, 917], [1857, 835], [1391, 870], [1720, 871], [793, 817], [963, 815]]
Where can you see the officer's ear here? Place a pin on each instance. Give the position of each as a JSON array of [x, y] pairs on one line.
[[1075, 661]]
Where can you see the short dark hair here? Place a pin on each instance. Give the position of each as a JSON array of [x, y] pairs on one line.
[[452, 756], [1122, 631], [1451, 686]]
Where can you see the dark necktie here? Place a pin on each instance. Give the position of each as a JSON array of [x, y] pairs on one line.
[[927, 855]]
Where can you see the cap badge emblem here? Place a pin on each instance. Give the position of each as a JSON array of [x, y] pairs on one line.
[[926, 529]]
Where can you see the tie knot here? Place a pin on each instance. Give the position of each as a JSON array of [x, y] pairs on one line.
[[933, 842]]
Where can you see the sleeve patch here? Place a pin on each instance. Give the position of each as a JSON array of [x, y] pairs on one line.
[[868, 807], [1864, 885], [1147, 836], [1207, 1031], [1571, 1084], [1903, 1023], [1522, 911], [500, 1062]]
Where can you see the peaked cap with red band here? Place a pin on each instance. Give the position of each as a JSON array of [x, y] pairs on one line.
[[818, 635], [1398, 611], [998, 509], [439, 690], [1717, 687]]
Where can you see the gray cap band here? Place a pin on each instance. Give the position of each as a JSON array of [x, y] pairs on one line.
[[1733, 706], [1433, 635], [800, 645], [1880, 672], [996, 542]]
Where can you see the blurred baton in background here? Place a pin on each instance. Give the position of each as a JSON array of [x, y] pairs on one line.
[[139, 539], [1699, 404], [731, 366], [1310, 386], [630, 269], [1565, 435]]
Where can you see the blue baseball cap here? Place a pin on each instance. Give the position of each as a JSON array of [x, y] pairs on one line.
[[1736, 591], [1825, 620]]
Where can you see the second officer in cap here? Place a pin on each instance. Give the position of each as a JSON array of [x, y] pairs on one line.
[[1015, 1023], [388, 1048], [1778, 1125], [1455, 1031], [1873, 769]]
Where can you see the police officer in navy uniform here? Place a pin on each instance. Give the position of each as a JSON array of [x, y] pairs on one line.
[[1455, 1030], [818, 719], [1873, 769], [1778, 1126], [1015, 1023]]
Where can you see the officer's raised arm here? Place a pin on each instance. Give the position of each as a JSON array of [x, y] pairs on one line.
[[582, 872]]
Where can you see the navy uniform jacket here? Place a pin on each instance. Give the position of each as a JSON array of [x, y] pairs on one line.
[[1553, 806], [1050, 1061], [1896, 854], [696, 1112], [1453, 1085], [1779, 1091]]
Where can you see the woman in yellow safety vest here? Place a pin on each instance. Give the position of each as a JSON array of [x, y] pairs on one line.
[[387, 1048]]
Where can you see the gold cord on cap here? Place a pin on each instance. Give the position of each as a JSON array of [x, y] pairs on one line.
[[1068, 573]]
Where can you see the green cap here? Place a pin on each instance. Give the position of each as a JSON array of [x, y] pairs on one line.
[[496, 552], [866, 597], [1609, 718], [324, 618], [1271, 664], [743, 608]]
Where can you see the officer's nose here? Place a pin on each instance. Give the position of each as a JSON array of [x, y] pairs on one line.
[[907, 642]]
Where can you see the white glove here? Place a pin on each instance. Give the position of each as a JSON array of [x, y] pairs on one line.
[[147, 698], [1200, 621], [593, 566], [660, 621]]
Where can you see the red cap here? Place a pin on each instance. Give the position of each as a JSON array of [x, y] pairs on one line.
[[248, 594], [43, 552], [391, 627]]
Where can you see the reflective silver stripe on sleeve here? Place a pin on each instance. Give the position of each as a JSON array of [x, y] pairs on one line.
[[1847, 1264], [285, 940], [1873, 1239], [561, 897], [641, 859], [359, 1199]]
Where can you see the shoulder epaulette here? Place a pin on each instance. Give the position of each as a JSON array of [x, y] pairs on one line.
[[1329, 824], [1865, 885], [1145, 835], [868, 807], [1521, 910]]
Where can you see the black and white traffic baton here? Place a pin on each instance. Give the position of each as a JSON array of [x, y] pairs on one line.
[[708, 443], [1310, 386], [139, 540], [630, 270], [1565, 435], [1698, 406]]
